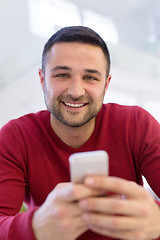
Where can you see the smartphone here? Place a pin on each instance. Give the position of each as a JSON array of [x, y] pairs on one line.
[[86, 163]]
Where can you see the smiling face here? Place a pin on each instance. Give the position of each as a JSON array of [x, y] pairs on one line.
[[74, 83]]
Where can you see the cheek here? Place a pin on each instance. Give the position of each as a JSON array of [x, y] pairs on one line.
[[55, 89], [96, 92]]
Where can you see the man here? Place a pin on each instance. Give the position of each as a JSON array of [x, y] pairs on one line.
[[35, 149]]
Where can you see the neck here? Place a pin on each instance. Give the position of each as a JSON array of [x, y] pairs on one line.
[[73, 136]]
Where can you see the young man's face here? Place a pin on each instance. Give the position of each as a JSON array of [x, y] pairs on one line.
[[75, 82]]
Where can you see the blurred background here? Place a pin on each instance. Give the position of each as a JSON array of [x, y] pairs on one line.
[[130, 28]]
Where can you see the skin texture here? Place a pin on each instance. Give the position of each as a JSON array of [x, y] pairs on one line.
[[74, 84], [75, 74]]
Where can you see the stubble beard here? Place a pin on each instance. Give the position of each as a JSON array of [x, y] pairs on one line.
[[54, 107]]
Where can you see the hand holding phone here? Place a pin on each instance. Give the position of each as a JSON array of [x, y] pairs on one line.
[[86, 163]]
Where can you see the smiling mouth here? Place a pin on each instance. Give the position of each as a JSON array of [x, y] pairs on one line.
[[75, 105]]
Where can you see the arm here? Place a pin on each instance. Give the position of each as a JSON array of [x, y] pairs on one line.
[[17, 226], [147, 149], [13, 224], [57, 214], [129, 212]]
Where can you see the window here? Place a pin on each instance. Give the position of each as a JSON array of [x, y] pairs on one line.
[[46, 18], [104, 26]]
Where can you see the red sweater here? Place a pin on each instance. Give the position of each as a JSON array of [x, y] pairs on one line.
[[33, 160]]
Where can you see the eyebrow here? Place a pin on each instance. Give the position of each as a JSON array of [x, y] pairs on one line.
[[59, 67], [93, 71]]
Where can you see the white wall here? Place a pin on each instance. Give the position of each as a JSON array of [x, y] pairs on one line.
[[21, 96]]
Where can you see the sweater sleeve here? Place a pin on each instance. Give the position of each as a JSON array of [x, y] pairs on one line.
[[13, 181], [147, 149], [17, 226]]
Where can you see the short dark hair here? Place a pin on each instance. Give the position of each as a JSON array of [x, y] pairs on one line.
[[76, 34]]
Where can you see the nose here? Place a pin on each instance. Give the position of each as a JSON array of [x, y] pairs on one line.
[[76, 88]]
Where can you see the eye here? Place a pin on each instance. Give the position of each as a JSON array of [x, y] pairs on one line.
[[62, 75], [88, 77]]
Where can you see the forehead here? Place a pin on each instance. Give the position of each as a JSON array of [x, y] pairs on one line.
[[76, 52]]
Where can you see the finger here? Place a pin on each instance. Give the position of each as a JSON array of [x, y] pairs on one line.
[[128, 235], [73, 223], [66, 209], [116, 185], [114, 206], [114, 223], [73, 192]]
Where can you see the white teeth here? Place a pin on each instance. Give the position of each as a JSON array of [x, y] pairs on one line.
[[74, 105]]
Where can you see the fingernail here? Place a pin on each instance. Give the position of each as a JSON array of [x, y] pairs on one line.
[[89, 181]]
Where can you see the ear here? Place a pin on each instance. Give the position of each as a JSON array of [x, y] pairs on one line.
[[41, 77], [107, 82]]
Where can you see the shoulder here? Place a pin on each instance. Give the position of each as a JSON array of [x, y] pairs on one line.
[[132, 116], [117, 108], [123, 111], [25, 123]]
